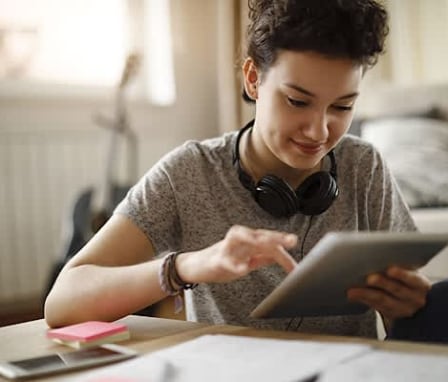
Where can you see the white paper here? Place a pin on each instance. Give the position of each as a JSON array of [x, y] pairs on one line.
[[390, 366], [231, 358]]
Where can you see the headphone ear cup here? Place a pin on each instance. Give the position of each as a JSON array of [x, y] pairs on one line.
[[316, 194], [276, 196]]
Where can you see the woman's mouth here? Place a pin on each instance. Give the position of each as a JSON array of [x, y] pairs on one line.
[[307, 148]]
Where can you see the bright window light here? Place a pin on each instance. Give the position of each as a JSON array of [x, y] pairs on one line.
[[78, 42], [85, 43], [159, 58]]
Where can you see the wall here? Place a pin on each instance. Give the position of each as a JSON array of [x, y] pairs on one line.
[[416, 51], [34, 207]]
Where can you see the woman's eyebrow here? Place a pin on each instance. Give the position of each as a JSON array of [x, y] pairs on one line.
[[311, 94], [300, 89], [350, 95]]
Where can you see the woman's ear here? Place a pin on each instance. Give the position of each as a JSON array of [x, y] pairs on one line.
[[251, 78]]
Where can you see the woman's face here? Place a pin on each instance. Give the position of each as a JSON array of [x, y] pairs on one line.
[[304, 105]]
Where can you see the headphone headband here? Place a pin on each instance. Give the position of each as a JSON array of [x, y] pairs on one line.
[[236, 154]]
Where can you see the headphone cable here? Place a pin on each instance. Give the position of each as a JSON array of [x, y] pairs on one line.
[[301, 255], [302, 246]]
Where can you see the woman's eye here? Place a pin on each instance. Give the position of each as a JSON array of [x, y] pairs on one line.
[[343, 107], [296, 103]]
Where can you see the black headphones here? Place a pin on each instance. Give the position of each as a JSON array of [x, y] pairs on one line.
[[314, 196]]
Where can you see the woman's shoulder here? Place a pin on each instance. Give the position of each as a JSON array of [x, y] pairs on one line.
[[193, 152], [354, 155], [215, 145], [353, 148]]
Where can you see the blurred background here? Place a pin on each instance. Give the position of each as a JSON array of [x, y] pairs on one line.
[[94, 92]]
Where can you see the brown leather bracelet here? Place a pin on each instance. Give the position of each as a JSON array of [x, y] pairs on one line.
[[174, 276]]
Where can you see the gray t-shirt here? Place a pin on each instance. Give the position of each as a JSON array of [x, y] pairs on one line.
[[192, 196]]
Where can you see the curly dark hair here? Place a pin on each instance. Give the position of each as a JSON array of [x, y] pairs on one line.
[[354, 29]]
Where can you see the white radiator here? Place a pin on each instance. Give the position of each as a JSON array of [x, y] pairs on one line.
[[41, 174]]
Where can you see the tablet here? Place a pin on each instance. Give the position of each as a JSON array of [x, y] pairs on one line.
[[340, 260]]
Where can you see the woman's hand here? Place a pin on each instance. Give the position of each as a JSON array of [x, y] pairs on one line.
[[241, 251], [396, 294]]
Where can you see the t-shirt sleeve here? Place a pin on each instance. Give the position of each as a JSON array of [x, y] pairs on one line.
[[152, 204], [386, 207]]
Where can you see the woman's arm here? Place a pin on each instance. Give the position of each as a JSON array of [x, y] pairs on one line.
[[111, 276], [115, 275]]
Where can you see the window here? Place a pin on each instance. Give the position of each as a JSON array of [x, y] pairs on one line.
[[160, 77], [84, 43]]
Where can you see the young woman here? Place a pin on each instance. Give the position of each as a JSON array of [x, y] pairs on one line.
[[225, 219]]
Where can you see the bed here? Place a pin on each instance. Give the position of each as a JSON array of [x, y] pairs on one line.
[[409, 125]]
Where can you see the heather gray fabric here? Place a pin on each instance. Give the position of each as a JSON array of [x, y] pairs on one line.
[[192, 196]]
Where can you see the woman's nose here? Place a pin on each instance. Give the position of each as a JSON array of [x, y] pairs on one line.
[[317, 128]]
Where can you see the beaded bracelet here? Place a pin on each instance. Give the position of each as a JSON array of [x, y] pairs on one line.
[[164, 279]]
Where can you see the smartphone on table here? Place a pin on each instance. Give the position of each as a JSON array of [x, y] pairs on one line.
[[64, 361]]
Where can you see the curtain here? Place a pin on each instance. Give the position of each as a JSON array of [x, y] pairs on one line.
[[416, 46], [231, 24]]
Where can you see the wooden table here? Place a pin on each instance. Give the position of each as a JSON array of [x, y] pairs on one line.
[[150, 334]]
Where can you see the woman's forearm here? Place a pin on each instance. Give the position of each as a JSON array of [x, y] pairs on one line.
[[92, 292]]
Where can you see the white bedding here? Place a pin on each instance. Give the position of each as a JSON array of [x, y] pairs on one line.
[[416, 150], [434, 220], [431, 219], [411, 125]]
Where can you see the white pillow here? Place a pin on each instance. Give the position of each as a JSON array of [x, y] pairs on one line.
[[416, 150], [386, 133]]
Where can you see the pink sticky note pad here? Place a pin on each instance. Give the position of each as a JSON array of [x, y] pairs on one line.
[[86, 331]]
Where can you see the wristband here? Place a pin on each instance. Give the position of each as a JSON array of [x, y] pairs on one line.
[[170, 281], [164, 278], [167, 287], [174, 276]]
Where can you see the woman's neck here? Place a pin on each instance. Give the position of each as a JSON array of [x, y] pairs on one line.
[[258, 161]]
